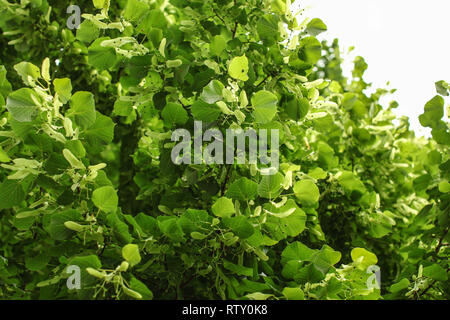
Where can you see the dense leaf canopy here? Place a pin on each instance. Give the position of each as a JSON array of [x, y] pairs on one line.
[[86, 177]]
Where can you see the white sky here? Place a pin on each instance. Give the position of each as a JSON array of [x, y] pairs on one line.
[[405, 42]]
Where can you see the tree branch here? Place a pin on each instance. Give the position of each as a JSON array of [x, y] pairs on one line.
[[217, 15], [264, 80], [440, 241], [430, 286], [225, 181], [235, 28], [426, 290]]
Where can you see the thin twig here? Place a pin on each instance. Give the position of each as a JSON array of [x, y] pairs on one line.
[[187, 281], [430, 286], [235, 28], [440, 241], [236, 23], [217, 15], [426, 290], [181, 103], [102, 250], [264, 80], [225, 181]]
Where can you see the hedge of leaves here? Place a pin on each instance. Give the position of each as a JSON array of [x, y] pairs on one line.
[[86, 117]]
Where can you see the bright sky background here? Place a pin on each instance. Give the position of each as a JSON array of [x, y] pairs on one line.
[[405, 42]]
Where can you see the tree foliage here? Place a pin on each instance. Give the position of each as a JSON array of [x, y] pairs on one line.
[[87, 180]]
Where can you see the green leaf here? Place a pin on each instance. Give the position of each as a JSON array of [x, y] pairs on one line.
[[360, 66], [326, 156], [101, 58], [120, 228], [76, 147], [325, 258], [307, 192], [135, 9], [198, 236], [105, 198], [171, 228], [82, 109], [243, 189], [258, 239], [310, 50], [434, 111], [130, 253], [212, 92], [297, 109], [281, 227], [278, 6], [443, 88], [102, 131], [151, 21], [351, 184], [238, 68], [63, 87], [293, 293], [23, 104], [435, 272], [422, 182], [217, 45], [296, 251], [270, 186], [5, 86], [90, 261], [204, 111], [315, 27], [4, 156], [444, 186], [57, 229], [125, 109], [239, 270], [223, 207], [265, 106], [141, 288], [363, 258], [174, 113], [240, 226], [148, 223], [399, 286], [441, 133], [195, 220], [267, 28], [84, 262], [99, 4], [28, 72], [38, 262], [87, 32], [11, 194], [317, 173]]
